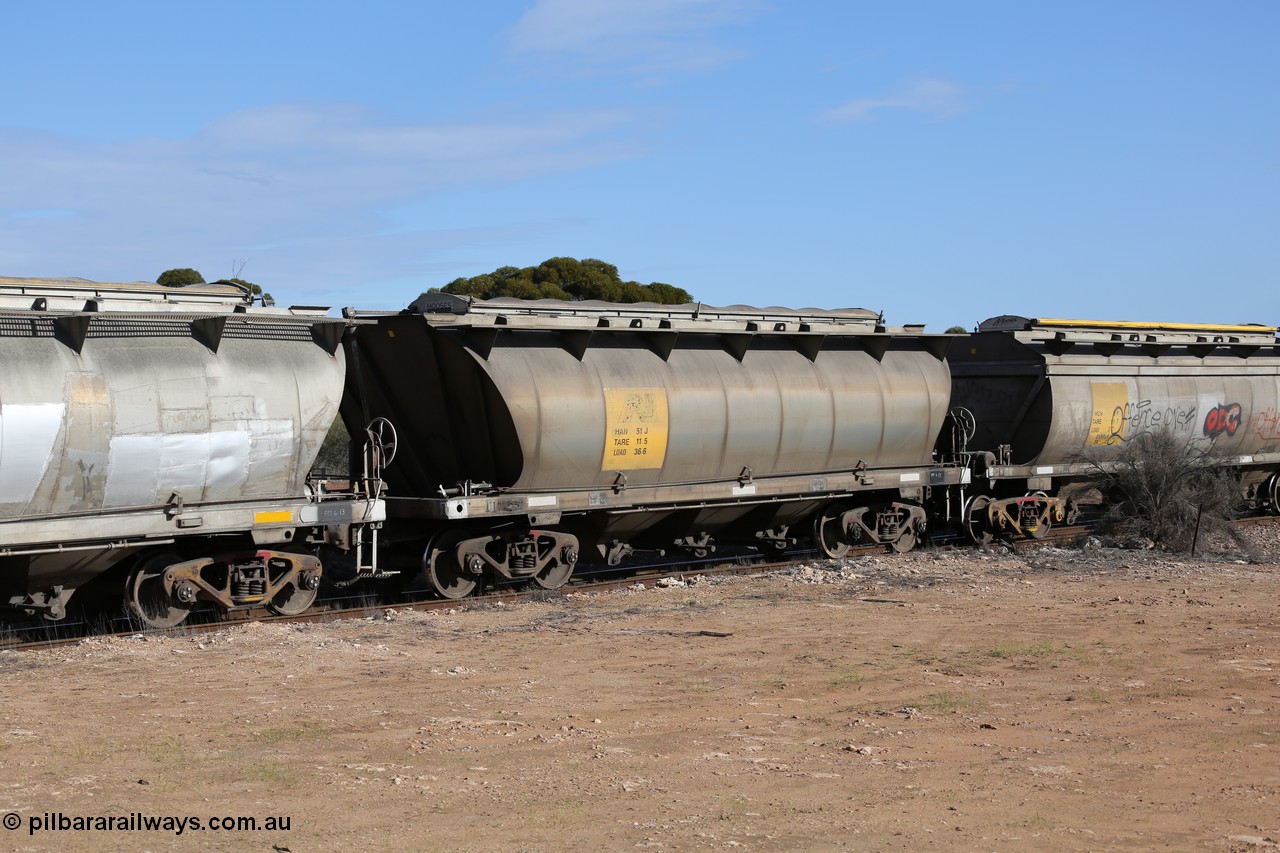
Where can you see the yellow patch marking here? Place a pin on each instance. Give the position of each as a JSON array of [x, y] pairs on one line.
[[272, 517], [635, 428]]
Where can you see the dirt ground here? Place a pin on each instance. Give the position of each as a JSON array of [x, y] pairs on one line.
[[1047, 700]]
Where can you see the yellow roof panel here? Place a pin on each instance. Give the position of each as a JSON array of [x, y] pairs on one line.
[[1245, 328]]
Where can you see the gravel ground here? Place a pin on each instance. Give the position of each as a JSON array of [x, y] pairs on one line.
[[1050, 699]]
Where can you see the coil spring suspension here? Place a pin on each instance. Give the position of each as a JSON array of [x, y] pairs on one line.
[[889, 525], [249, 582], [523, 555]]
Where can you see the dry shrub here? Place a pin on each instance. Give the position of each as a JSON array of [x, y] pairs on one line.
[[1160, 488]]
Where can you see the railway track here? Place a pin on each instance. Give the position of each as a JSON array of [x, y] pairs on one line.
[[29, 638], [603, 580]]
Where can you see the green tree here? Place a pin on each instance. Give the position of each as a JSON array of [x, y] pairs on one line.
[[669, 294], [179, 277], [957, 330], [182, 276], [254, 289], [568, 279]]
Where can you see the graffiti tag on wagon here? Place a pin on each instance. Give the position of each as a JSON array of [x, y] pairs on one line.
[[1117, 419], [1137, 417], [1266, 424], [1223, 419]]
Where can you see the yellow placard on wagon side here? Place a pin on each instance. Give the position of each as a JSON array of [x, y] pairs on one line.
[[1107, 425], [635, 425]]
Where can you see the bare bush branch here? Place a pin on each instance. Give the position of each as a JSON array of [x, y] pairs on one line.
[[1161, 488]]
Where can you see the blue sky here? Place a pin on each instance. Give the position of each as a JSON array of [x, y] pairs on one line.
[[943, 162]]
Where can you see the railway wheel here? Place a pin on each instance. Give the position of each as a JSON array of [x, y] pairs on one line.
[[554, 576], [976, 523], [828, 531], [1273, 494], [440, 564], [145, 596], [906, 539], [295, 597]]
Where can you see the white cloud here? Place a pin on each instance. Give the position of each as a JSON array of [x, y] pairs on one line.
[[940, 99], [302, 191], [353, 131], [634, 36], [339, 153]]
